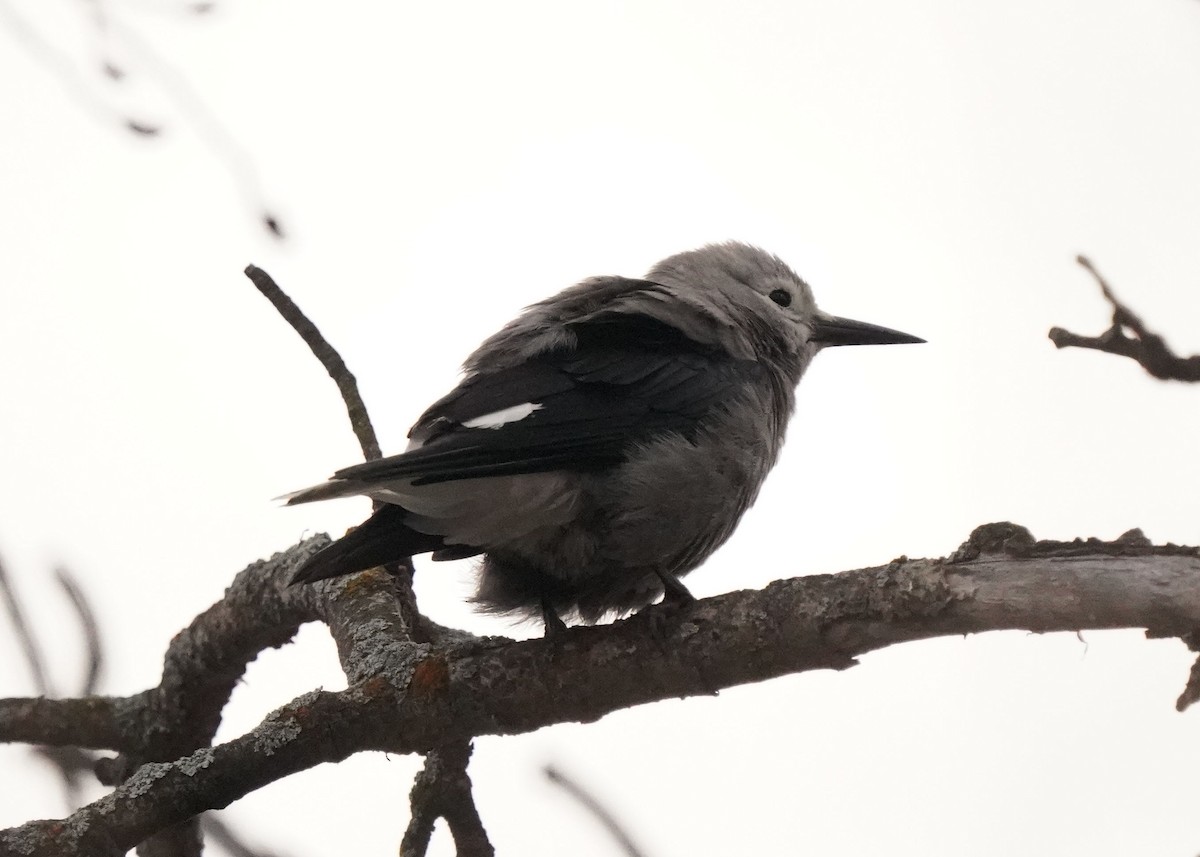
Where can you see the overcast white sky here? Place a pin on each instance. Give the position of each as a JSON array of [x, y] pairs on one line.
[[933, 166]]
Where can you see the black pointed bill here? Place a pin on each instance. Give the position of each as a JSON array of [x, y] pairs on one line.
[[832, 330]]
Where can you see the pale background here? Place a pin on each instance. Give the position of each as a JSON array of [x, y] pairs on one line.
[[930, 166]]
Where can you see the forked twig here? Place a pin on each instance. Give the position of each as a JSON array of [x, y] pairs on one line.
[[443, 790], [1143, 346]]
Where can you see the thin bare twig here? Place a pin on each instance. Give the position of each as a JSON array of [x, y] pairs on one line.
[[29, 644], [1144, 346], [1191, 691], [360, 421], [210, 130], [74, 766], [112, 30], [596, 808], [91, 630], [443, 788], [60, 64]]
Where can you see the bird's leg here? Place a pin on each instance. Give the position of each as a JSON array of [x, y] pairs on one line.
[[674, 592], [663, 619], [555, 626]]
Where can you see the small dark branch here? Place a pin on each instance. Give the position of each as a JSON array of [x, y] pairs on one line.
[[597, 809], [420, 827], [29, 643], [443, 790], [330, 359], [91, 630], [1129, 337], [142, 129], [1191, 691], [217, 831]]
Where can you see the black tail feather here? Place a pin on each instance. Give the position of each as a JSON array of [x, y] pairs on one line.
[[382, 538]]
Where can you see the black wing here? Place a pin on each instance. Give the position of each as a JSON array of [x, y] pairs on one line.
[[629, 379]]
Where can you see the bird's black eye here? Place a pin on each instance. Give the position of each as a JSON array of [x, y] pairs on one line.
[[781, 296]]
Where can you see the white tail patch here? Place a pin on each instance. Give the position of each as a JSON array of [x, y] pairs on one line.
[[497, 419]]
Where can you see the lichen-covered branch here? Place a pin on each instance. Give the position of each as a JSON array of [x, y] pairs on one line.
[[162, 794], [412, 697], [1129, 337]]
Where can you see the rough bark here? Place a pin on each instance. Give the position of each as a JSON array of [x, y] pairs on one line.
[[417, 697]]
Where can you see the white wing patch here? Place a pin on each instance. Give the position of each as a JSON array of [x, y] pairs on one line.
[[497, 419]]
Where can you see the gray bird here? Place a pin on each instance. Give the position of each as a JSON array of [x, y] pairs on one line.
[[603, 443]]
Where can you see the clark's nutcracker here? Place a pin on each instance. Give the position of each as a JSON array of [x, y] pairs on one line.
[[603, 443]]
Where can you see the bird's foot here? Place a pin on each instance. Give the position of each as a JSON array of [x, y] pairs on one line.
[[663, 616], [674, 592]]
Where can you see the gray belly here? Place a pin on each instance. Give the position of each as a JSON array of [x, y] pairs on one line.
[[665, 510]]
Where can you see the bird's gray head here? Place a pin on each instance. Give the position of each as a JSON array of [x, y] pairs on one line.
[[730, 296], [750, 303]]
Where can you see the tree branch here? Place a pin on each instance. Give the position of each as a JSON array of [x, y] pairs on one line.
[[423, 696], [1144, 346], [332, 361], [443, 790]]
